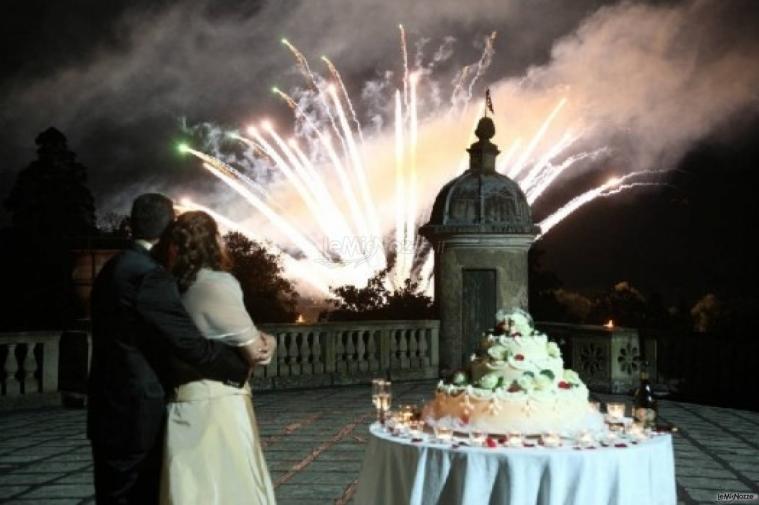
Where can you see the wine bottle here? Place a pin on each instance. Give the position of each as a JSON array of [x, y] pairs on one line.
[[645, 407]]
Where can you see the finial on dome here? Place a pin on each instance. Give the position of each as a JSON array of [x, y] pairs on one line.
[[485, 129]]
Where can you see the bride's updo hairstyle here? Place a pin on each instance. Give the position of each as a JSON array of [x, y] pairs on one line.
[[190, 243]]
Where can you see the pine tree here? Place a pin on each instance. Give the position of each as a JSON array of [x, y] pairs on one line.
[[51, 207], [50, 197]]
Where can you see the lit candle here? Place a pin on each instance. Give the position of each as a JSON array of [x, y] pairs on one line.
[[585, 438]]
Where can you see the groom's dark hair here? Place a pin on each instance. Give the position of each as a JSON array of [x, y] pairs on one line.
[[151, 214]]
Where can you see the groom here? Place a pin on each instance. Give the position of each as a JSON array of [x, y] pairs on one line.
[[138, 322]]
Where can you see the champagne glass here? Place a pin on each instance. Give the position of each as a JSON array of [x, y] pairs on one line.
[[377, 386]]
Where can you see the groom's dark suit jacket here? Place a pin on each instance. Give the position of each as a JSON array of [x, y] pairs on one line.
[[138, 324]]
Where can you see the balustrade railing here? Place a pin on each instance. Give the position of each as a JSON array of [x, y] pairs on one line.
[[349, 353], [28, 365]]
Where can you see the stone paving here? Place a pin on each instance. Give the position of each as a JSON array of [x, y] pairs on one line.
[[314, 443]]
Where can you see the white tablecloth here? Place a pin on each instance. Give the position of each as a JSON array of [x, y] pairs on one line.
[[397, 471]]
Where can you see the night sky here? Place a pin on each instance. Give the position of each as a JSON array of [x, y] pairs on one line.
[[121, 78]]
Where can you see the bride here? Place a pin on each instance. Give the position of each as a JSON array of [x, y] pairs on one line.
[[212, 452]]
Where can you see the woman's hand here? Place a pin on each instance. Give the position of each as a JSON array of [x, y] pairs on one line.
[[260, 351]]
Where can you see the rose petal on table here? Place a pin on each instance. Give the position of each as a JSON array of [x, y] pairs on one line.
[[620, 445]]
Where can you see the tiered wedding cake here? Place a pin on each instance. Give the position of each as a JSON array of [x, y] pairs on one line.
[[516, 382]]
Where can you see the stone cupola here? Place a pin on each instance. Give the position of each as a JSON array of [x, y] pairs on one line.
[[481, 230]]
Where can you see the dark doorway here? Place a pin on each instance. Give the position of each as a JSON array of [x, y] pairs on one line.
[[478, 307]]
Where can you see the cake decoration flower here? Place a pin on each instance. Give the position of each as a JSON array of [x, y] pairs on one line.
[[543, 382], [459, 378], [571, 376], [526, 382], [489, 380], [498, 352], [553, 350]]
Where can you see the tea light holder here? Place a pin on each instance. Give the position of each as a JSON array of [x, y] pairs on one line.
[[514, 439], [416, 428], [443, 433], [636, 431], [551, 439], [477, 437], [407, 413], [584, 438]]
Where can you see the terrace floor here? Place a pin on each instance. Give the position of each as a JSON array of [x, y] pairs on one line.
[[314, 443]]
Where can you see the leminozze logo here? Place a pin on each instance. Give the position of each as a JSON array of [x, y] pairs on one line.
[[735, 497]]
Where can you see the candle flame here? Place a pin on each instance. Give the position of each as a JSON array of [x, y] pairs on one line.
[[609, 324], [300, 319]]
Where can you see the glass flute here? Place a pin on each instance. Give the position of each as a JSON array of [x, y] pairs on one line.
[[378, 390]]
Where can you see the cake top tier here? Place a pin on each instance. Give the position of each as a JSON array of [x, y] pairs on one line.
[[517, 357]]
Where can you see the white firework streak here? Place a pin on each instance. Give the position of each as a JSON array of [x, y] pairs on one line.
[[529, 180], [323, 191], [305, 70], [400, 197], [519, 165], [295, 179], [378, 258], [359, 220], [503, 162], [296, 237], [412, 179], [404, 55], [555, 171], [336, 74], [611, 187]]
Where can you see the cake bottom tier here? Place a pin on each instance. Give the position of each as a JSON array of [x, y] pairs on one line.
[[565, 414]]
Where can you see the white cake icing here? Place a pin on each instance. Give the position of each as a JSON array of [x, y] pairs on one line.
[[517, 382]]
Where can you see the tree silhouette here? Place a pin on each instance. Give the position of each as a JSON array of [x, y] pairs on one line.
[[51, 207], [542, 288], [50, 197], [268, 296], [375, 301]]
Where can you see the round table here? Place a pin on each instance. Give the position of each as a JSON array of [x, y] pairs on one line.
[[398, 470]]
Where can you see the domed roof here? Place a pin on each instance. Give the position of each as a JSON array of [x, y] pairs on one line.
[[481, 200]]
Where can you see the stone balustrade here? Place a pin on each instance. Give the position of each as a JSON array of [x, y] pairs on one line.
[[29, 366], [608, 359], [353, 352]]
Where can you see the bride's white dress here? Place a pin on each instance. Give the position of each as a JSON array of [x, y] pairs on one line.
[[212, 448]]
